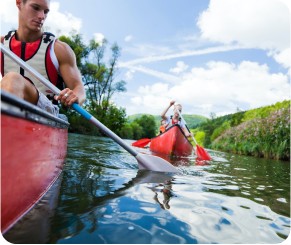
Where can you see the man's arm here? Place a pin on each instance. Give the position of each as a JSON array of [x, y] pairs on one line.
[[163, 115], [75, 91], [184, 127], [186, 132]]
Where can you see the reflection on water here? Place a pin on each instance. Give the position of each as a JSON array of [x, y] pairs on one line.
[[232, 199], [35, 226], [104, 198]]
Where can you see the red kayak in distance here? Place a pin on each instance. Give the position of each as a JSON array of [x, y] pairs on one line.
[[172, 142]]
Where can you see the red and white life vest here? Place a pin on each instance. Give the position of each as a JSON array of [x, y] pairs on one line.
[[39, 54], [171, 122]]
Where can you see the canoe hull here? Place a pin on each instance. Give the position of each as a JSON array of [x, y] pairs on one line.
[[32, 158], [172, 142]]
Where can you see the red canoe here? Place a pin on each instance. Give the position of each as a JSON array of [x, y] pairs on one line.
[[33, 151], [172, 142]]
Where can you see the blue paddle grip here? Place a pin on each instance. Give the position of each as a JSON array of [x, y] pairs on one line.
[[83, 112]]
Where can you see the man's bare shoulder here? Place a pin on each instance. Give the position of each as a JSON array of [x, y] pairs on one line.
[[63, 51], [61, 46]]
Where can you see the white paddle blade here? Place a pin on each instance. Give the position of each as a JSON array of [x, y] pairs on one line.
[[154, 163]]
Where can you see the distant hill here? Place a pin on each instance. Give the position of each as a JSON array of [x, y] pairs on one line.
[[191, 120]]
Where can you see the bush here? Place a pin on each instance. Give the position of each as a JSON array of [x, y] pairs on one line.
[[268, 137]]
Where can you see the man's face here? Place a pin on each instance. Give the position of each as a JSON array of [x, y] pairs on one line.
[[177, 109], [33, 13]]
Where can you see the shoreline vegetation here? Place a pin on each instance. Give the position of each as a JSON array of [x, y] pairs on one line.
[[262, 132]]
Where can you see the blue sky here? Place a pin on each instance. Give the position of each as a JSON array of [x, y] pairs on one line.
[[211, 56]]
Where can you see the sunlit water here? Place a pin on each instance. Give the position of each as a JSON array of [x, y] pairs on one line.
[[104, 198]]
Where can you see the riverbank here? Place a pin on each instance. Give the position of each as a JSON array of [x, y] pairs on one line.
[[267, 137], [262, 132]]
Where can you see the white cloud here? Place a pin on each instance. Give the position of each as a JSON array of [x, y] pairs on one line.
[[283, 58], [146, 50], [225, 85], [128, 38], [237, 25], [152, 99], [179, 54], [56, 22], [220, 88], [161, 75], [61, 23], [261, 24], [179, 68], [155, 89], [99, 38], [8, 12], [129, 75]]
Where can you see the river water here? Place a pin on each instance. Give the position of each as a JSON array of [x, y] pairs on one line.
[[104, 198]]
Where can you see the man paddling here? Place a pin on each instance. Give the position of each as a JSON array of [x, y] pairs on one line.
[[52, 58], [175, 118]]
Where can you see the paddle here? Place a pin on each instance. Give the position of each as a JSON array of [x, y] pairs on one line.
[[149, 162], [141, 143], [201, 153]]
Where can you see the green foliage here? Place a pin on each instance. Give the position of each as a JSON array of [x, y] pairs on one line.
[[80, 49], [100, 84], [192, 120], [126, 132], [151, 128], [141, 127], [218, 131], [199, 137], [263, 132], [148, 124], [236, 119], [265, 111], [137, 130], [268, 137]]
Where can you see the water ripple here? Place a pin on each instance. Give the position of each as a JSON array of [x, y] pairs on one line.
[[104, 198]]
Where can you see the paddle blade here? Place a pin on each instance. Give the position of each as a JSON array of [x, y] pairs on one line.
[[141, 143], [154, 163], [202, 154]]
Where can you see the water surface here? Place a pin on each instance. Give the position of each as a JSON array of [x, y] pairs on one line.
[[104, 198], [234, 199]]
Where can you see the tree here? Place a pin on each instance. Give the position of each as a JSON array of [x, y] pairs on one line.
[[137, 130], [98, 77], [99, 80], [212, 115], [126, 132], [80, 49], [148, 124]]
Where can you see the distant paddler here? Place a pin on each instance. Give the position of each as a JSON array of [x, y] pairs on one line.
[[175, 118]]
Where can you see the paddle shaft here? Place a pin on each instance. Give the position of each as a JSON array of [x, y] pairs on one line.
[[200, 151], [187, 128], [75, 106]]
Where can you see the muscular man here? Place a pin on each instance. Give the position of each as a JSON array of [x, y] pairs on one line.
[[52, 58]]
